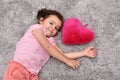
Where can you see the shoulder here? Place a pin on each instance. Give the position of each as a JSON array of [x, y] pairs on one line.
[[36, 26]]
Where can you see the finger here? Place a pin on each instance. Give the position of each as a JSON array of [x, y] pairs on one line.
[[91, 47], [95, 53], [77, 63], [76, 66]]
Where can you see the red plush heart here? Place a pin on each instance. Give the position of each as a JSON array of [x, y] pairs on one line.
[[74, 33]]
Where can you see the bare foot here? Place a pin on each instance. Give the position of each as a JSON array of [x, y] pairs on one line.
[[90, 52]]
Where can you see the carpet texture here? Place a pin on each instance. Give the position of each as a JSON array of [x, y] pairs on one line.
[[103, 17]]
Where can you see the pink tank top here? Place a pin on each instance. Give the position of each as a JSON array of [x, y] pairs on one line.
[[30, 53]]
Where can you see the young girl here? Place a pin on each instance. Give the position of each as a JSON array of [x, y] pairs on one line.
[[37, 45]]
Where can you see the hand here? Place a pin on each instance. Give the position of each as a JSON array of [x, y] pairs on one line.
[[90, 52], [73, 63]]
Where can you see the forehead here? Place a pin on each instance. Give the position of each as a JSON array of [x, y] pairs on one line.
[[55, 19]]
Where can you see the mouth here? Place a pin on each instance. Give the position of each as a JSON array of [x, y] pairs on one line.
[[50, 31]]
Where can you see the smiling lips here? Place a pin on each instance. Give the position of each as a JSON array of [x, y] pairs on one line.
[[50, 30]]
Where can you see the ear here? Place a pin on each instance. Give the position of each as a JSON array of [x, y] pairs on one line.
[[41, 19]]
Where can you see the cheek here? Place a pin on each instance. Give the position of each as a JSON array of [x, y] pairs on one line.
[[55, 32], [48, 32]]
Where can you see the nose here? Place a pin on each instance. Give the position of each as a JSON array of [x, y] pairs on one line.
[[53, 27]]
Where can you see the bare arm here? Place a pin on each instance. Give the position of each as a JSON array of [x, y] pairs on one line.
[[52, 50], [90, 52], [47, 46], [73, 55]]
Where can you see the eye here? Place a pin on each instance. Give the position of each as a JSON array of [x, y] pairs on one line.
[[51, 23], [56, 28]]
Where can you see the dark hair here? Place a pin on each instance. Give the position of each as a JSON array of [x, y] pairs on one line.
[[44, 13]]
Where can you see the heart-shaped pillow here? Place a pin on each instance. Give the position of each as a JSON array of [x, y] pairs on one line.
[[74, 32]]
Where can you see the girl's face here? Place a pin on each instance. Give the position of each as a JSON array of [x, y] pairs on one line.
[[52, 24]]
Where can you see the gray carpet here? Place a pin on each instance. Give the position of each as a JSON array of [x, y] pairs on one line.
[[103, 17]]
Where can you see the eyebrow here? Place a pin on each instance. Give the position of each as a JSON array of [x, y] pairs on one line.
[[52, 21]]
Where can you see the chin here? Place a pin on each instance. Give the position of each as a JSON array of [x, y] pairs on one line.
[[49, 35]]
